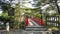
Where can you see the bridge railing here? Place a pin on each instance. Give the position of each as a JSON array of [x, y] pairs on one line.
[[38, 21], [53, 21], [26, 21]]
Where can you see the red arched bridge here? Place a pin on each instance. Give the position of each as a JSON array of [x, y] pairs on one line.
[[34, 22]]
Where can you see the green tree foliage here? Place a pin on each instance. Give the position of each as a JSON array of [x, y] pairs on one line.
[[5, 7]]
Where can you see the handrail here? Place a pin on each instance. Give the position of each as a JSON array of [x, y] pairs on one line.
[[38, 21]]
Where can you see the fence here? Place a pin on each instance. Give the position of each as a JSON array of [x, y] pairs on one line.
[[52, 20]]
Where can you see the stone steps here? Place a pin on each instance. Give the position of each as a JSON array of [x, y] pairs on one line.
[[36, 28]]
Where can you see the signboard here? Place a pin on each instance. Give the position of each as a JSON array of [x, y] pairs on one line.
[[52, 20]]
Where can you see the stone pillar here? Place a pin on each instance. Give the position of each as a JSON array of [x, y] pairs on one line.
[[7, 26]]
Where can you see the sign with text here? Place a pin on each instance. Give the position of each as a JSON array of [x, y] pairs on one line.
[[52, 20]]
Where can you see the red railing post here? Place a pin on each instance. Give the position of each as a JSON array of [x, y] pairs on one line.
[[26, 21]]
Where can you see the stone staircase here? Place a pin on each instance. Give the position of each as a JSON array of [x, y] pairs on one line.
[[36, 28]]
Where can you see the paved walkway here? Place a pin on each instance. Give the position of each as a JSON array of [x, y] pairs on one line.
[[19, 31]]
